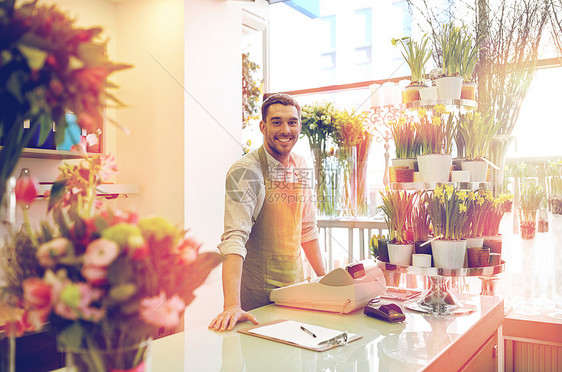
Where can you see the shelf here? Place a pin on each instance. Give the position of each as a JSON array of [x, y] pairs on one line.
[[439, 271], [51, 154], [109, 190], [432, 185], [439, 101]]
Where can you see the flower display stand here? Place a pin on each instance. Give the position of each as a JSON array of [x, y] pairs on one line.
[[438, 299]]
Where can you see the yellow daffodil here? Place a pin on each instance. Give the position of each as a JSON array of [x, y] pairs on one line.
[[471, 195], [462, 195], [480, 200], [439, 191], [440, 109], [449, 189], [462, 208]]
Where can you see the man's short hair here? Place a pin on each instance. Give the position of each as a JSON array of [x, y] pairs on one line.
[[281, 98]]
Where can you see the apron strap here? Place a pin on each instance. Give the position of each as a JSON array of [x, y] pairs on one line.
[[263, 163]]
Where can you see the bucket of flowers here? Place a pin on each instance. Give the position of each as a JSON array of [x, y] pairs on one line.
[[103, 280]]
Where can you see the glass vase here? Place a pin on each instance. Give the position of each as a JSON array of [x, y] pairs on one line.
[[363, 200], [347, 182], [496, 154], [132, 358], [326, 182], [528, 224]]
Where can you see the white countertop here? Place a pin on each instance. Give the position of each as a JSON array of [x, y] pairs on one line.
[[421, 341]]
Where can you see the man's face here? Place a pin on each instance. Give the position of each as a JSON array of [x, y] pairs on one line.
[[281, 130]]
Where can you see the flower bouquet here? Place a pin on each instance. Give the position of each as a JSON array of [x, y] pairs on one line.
[[105, 281], [318, 124], [347, 135], [363, 147], [48, 67]]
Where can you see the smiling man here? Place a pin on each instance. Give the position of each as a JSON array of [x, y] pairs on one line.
[[270, 213]]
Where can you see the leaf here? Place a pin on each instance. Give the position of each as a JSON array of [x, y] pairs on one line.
[[122, 292], [71, 337], [57, 193], [120, 271], [46, 127], [35, 57]]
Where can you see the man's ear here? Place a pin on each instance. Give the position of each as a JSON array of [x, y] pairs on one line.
[[262, 127]]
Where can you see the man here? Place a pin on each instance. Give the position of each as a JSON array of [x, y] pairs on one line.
[[269, 215]]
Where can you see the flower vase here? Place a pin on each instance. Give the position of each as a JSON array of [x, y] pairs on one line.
[[326, 182], [400, 254], [347, 164], [362, 187], [528, 224], [496, 154], [133, 358]]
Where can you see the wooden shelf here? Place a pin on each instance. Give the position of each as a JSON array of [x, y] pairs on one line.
[[51, 154], [109, 190]]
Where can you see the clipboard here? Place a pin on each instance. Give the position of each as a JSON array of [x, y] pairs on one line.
[[288, 332]]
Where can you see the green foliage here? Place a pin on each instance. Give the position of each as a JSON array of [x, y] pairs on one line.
[[406, 142], [475, 132], [318, 124], [416, 55], [397, 207], [450, 42], [252, 89], [531, 196], [447, 208]]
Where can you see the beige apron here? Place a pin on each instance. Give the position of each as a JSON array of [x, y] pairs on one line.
[[273, 248]]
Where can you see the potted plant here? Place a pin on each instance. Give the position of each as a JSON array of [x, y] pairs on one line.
[[449, 85], [498, 206], [474, 132], [448, 212], [470, 52], [435, 129], [531, 198], [416, 56], [406, 145], [421, 224], [477, 210], [318, 125], [397, 208]]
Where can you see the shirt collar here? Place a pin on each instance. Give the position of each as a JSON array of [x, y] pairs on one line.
[[274, 163]]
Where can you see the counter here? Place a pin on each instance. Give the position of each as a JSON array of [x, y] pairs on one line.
[[421, 342]]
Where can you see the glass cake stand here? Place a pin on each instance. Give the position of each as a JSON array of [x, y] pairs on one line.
[[439, 299]]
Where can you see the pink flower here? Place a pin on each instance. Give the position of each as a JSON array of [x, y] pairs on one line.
[[188, 249], [75, 302], [49, 252], [27, 189], [95, 275], [162, 312], [137, 248], [36, 293], [101, 252]]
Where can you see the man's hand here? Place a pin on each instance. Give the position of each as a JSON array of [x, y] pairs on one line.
[[226, 320]]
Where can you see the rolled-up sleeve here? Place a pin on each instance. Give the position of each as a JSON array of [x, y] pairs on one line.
[[244, 195]]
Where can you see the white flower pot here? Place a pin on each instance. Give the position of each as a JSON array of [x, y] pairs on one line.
[[449, 87], [409, 162], [475, 242], [421, 260], [429, 93], [448, 254], [435, 167], [400, 254], [478, 170], [460, 176]]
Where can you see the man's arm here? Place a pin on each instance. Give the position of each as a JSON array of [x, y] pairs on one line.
[[232, 312], [314, 256]]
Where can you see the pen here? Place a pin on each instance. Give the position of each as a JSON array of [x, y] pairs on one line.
[[307, 331]]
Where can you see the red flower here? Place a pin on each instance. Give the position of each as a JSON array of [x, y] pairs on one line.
[[36, 293], [26, 189], [91, 78]]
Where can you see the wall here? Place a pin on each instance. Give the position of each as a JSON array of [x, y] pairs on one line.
[[150, 37]]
